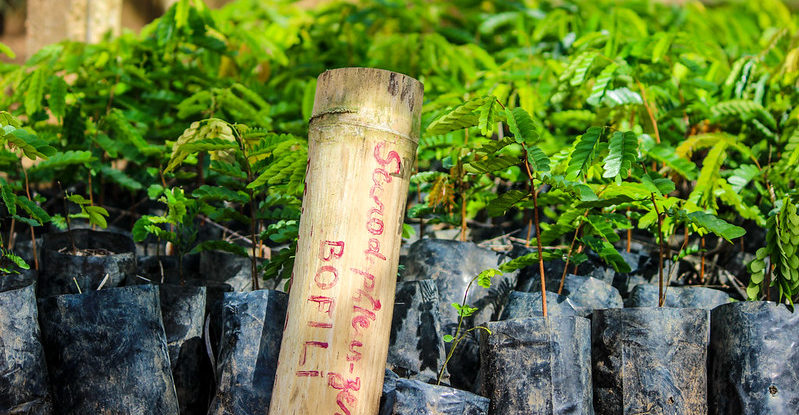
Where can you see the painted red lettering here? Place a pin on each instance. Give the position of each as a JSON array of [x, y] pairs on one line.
[[361, 294], [308, 373], [381, 172], [356, 355], [374, 249], [321, 345], [323, 301], [328, 250], [363, 319], [391, 157], [345, 398], [378, 203], [326, 284], [368, 279], [375, 226], [319, 324]]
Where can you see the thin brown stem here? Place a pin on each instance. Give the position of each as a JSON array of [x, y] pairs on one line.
[[579, 251], [529, 232], [540, 256], [629, 234], [569, 255], [534, 191], [11, 234], [650, 112]]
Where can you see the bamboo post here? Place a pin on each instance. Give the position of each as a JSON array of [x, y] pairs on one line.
[[362, 146], [51, 21]]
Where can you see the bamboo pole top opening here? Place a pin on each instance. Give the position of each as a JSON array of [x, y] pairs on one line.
[[373, 98]]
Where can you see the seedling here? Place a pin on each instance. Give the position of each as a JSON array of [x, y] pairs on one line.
[[178, 226], [465, 311]]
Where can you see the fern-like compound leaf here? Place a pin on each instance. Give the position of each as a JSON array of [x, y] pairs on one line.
[[584, 153], [521, 125], [601, 85], [67, 158], [34, 91], [537, 159], [668, 156], [712, 223], [505, 201], [460, 117], [702, 195], [623, 153]]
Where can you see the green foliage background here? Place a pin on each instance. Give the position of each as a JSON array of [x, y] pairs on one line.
[[680, 115]]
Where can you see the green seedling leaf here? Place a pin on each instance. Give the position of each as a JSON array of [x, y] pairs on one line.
[[464, 310], [97, 215], [521, 125], [462, 116], [623, 153], [584, 153], [484, 278], [538, 160]]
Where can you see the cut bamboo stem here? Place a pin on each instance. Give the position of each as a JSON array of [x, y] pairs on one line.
[[362, 145]]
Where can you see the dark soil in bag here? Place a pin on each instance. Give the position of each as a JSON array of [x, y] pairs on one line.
[[101, 256], [183, 312], [753, 359], [413, 397], [650, 360], [107, 352], [416, 348], [646, 295], [23, 371], [538, 366], [251, 336], [524, 305]]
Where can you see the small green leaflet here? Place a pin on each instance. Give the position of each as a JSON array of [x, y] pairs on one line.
[[715, 224], [97, 215], [5, 50], [484, 278], [521, 125], [657, 185], [584, 153], [16, 260], [505, 201], [607, 252], [528, 259], [667, 155], [462, 116], [9, 198], [488, 117], [537, 158], [464, 310], [623, 153]]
